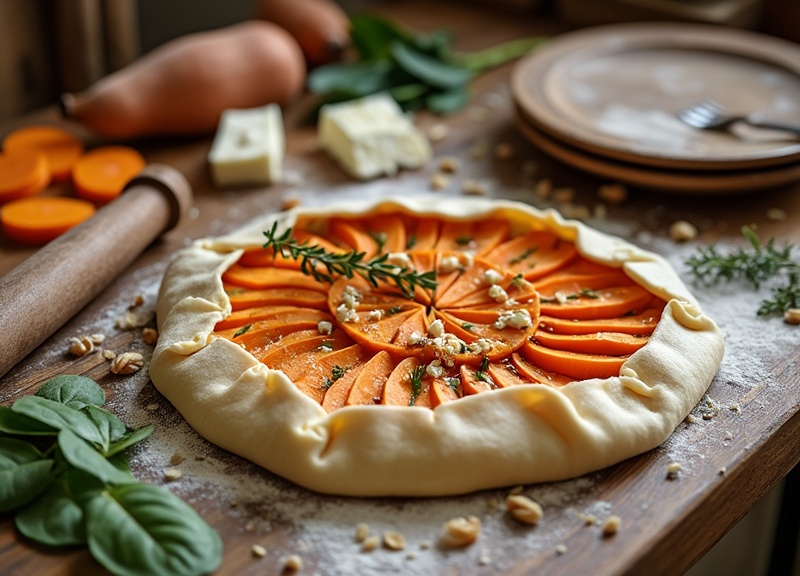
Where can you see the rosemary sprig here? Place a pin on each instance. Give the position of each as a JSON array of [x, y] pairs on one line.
[[416, 375], [346, 264], [760, 263]]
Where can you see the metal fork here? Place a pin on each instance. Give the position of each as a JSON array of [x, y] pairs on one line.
[[708, 115]]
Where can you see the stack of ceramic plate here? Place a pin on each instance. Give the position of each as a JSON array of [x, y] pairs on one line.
[[605, 100]]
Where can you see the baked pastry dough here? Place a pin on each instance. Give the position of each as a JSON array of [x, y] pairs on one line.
[[532, 423]]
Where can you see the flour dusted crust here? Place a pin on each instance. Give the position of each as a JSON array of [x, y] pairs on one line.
[[516, 435]]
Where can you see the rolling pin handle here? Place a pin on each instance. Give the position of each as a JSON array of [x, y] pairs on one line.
[[171, 184]]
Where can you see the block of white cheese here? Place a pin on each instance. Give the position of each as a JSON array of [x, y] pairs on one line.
[[248, 147], [371, 136]]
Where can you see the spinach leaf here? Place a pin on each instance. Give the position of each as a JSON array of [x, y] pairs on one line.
[[372, 36], [110, 427], [58, 416], [448, 101], [21, 425], [358, 79], [23, 473], [53, 519], [130, 438], [84, 457], [432, 71], [140, 529], [73, 391]]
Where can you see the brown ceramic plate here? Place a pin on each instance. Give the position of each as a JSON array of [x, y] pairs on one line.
[[705, 182], [615, 91]]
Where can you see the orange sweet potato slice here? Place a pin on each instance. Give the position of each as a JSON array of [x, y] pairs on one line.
[[368, 386], [476, 237], [349, 233], [399, 390], [475, 381], [638, 324], [295, 345], [315, 373], [536, 374], [534, 254], [604, 303], [574, 364], [421, 233], [443, 390], [265, 277], [242, 298], [339, 389], [608, 343]]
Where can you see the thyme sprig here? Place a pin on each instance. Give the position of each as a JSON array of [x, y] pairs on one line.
[[346, 264], [760, 263]]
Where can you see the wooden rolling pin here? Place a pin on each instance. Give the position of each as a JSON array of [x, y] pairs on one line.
[[41, 294]]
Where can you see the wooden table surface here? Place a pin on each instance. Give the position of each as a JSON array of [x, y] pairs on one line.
[[741, 440]]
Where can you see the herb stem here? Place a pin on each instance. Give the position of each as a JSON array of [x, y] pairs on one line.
[[496, 55]]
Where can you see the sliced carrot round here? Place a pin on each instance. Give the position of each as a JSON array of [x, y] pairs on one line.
[[101, 174], [39, 220], [60, 148], [22, 173]]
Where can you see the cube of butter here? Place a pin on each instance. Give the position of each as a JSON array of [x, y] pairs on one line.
[[371, 136], [248, 147]]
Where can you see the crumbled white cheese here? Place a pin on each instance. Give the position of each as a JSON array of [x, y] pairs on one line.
[[351, 297], [399, 259], [375, 315], [436, 329], [371, 136], [346, 314], [248, 147], [518, 319], [449, 264], [480, 346], [415, 338], [434, 369], [497, 293], [492, 277], [324, 327]]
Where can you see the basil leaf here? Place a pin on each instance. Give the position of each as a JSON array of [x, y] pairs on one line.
[[372, 36], [428, 69], [58, 416], [82, 486], [448, 101], [23, 473], [110, 427], [141, 529], [53, 519], [358, 78], [21, 425], [84, 457], [129, 439], [73, 391], [408, 92]]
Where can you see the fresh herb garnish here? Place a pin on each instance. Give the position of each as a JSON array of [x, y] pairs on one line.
[[522, 256], [518, 281], [463, 240], [380, 239], [242, 330], [346, 264], [417, 70], [411, 241], [65, 475], [336, 373], [481, 373], [394, 310], [467, 326], [589, 293], [763, 262], [416, 375], [454, 383]]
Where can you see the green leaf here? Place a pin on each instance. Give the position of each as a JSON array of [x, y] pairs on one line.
[[408, 92], [372, 36], [58, 416], [496, 55], [448, 101], [432, 71], [140, 530], [110, 427], [21, 425], [358, 78], [73, 391], [129, 439], [84, 457], [53, 519], [23, 473]]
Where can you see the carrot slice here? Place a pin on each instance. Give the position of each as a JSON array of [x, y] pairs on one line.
[[260, 278], [22, 173], [609, 343], [574, 364], [39, 220], [605, 303], [637, 324], [241, 298], [536, 374], [101, 174], [60, 148], [368, 386]]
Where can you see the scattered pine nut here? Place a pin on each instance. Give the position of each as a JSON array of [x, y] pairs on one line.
[[449, 164], [151, 407], [612, 525], [138, 300], [682, 231], [672, 470], [484, 560], [171, 474], [543, 188], [438, 132], [523, 509], [561, 549], [394, 540], [425, 545], [460, 532], [590, 520], [150, 336], [613, 193], [293, 563], [474, 188], [362, 532], [370, 543], [439, 181], [176, 459], [792, 316], [258, 551]]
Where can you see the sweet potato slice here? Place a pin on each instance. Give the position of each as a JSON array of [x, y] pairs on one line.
[[444, 390], [368, 386], [537, 375], [315, 373], [475, 237], [399, 390], [339, 389], [574, 364], [475, 381], [637, 324], [265, 277], [608, 343], [534, 254], [349, 233], [242, 298], [604, 303], [421, 233]]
